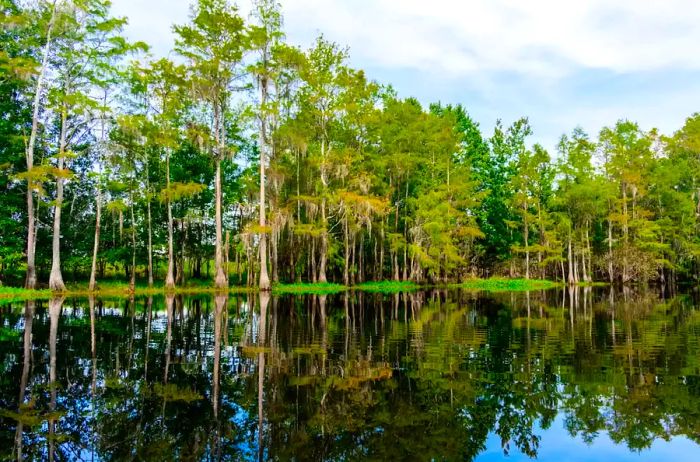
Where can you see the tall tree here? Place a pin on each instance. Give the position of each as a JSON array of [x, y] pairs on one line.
[[30, 281], [214, 43], [89, 44], [265, 37]]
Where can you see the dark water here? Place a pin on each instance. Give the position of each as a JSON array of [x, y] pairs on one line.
[[581, 375]]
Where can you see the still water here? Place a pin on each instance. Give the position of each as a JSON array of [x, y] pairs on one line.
[[586, 374]]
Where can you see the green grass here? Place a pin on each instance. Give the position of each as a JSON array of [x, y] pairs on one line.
[[387, 286], [121, 288], [112, 288], [308, 288], [23, 294], [507, 285]]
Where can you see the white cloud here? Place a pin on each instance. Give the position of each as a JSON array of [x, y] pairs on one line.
[[500, 57], [151, 21], [540, 37], [535, 36]]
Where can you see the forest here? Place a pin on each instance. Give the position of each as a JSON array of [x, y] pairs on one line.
[[241, 159]]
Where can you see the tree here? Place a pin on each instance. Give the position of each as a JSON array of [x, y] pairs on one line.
[[30, 281], [88, 46], [628, 160], [265, 39], [214, 43]]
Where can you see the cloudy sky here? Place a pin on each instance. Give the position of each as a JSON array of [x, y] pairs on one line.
[[561, 63]]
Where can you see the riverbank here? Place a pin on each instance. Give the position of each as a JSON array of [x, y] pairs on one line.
[[119, 288]]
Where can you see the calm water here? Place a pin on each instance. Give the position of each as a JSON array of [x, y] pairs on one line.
[[557, 375]]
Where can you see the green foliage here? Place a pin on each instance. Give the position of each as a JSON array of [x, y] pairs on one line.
[[357, 183], [507, 285]]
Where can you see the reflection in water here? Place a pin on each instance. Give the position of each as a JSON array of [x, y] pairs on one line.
[[26, 354], [443, 375], [55, 305]]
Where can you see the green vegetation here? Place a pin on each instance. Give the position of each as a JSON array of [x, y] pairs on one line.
[[308, 288], [387, 286], [500, 284], [23, 294], [253, 162]]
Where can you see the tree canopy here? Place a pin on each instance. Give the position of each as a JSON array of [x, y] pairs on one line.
[[247, 160]]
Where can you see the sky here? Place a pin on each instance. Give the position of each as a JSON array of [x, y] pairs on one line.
[[560, 63]]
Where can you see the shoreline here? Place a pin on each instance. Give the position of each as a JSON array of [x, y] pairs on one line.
[[122, 289]]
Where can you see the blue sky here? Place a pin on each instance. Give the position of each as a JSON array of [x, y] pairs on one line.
[[561, 63]]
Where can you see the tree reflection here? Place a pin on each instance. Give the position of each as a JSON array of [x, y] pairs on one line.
[[372, 376]]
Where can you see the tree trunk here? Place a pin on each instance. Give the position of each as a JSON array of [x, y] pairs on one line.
[[625, 232], [30, 280], [150, 245], [220, 280], [56, 278], [381, 253], [324, 245], [569, 259], [264, 277], [132, 279], [611, 275], [96, 246], [395, 264], [346, 255], [526, 239], [169, 276]]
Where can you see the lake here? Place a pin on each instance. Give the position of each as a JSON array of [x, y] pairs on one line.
[[573, 374]]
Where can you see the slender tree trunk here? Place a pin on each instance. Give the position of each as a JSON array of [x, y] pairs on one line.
[[312, 261], [274, 255], [170, 275], [353, 251], [56, 278], [96, 246], [324, 245], [526, 239], [625, 232], [570, 262], [380, 275], [150, 245], [395, 264], [361, 261], [264, 277], [324, 235], [404, 270], [220, 280], [30, 280], [346, 255], [611, 274], [132, 280]]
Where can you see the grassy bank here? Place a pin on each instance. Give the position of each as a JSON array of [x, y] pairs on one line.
[[113, 288], [121, 288], [320, 288], [507, 285], [387, 286]]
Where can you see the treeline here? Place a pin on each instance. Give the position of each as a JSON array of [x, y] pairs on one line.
[[252, 161]]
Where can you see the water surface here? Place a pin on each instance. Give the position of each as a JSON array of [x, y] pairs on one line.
[[558, 375]]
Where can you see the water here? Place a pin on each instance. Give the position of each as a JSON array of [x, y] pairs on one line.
[[557, 375]]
